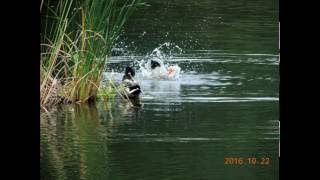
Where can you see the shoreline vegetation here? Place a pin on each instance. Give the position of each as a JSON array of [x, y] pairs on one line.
[[77, 37]]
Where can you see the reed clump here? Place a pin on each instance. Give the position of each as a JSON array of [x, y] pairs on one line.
[[76, 40]]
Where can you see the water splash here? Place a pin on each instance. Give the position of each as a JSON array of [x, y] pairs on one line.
[[162, 55]]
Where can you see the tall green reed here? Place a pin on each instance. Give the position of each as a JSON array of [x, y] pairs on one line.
[[76, 41]]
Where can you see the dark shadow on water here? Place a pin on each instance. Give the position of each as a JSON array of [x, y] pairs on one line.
[[136, 102]]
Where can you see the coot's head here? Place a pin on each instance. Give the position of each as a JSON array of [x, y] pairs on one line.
[[130, 70]]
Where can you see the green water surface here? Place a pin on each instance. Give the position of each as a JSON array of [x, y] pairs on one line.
[[226, 103]]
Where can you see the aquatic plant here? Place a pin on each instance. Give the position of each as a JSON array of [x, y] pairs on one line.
[[76, 39]]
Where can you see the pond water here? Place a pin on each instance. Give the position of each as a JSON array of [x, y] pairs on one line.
[[224, 104]]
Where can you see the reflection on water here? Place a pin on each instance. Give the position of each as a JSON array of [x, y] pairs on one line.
[[224, 104], [74, 140], [116, 141]]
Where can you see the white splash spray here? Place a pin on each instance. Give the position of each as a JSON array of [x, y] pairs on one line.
[[166, 71]]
